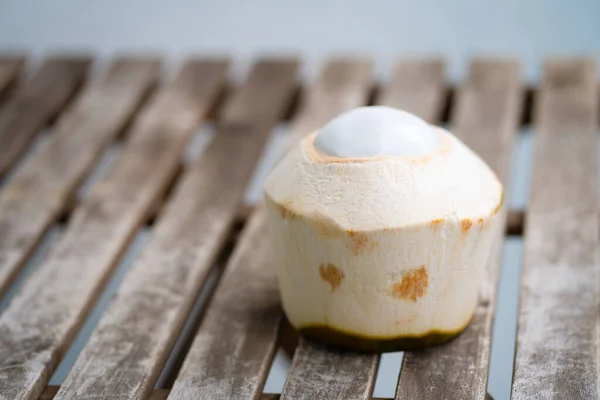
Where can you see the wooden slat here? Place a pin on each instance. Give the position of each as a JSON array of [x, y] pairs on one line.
[[42, 319], [42, 187], [162, 394], [274, 396], [159, 394], [231, 354], [126, 353], [36, 103], [485, 118], [557, 354], [321, 372], [417, 87], [10, 70]]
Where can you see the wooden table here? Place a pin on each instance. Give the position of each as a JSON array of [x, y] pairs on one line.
[[198, 225]]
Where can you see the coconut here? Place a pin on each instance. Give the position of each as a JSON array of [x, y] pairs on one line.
[[382, 225]]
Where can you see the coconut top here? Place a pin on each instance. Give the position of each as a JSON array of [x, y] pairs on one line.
[[376, 167], [375, 132]]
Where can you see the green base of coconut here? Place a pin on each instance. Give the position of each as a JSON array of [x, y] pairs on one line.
[[356, 342]]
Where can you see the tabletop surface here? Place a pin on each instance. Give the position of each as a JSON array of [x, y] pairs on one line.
[[527, 30]]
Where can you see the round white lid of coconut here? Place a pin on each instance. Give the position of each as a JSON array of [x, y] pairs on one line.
[[376, 131]]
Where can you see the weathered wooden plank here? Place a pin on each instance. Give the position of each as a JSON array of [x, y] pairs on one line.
[[40, 190], [161, 394], [126, 353], [417, 87], [10, 70], [320, 372], [36, 103], [43, 318], [273, 396], [557, 354], [485, 118], [231, 354], [157, 394]]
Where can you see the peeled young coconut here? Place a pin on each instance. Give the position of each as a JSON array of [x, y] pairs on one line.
[[382, 225]]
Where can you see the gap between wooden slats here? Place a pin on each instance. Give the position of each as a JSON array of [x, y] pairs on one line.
[[43, 186], [509, 280], [36, 103], [486, 116], [322, 372], [42, 319], [557, 354], [172, 364], [134, 337], [236, 341], [10, 71], [46, 243]]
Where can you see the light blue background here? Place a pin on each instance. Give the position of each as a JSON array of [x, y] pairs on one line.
[[529, 30]]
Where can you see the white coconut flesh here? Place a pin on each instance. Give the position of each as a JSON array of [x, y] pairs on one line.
[[382, 225], [374, 132]]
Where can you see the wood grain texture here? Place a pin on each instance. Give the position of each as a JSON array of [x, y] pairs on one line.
[[232, 352], [485, 118], [321, 372], [10, 71], [126, 353], [39, 191], [557, 354], [162, 394], [274, 396], [42, 319], [36, 103]]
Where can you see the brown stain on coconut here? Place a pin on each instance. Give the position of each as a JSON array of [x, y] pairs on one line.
[[480, 223], [466, 224], [331, 274], [413, 285], [437, 223], [499, 206], [324, 226], [359, 242]]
